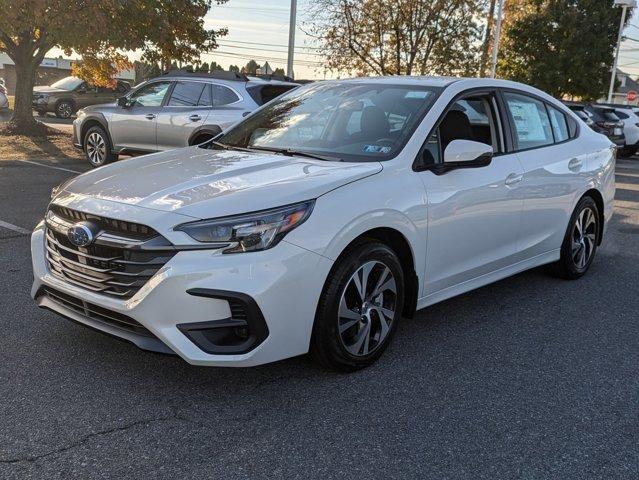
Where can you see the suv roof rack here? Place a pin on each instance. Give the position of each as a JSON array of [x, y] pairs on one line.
[[274, 76], [218, 74]]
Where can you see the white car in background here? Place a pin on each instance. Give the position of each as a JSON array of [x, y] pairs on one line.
[[628, 115], [4, 101], [325, 216]]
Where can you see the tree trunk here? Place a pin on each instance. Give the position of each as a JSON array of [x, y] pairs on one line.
[[25, 78]]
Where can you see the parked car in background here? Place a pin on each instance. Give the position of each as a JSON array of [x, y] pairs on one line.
[[628, 115], [4, 100], [68, 95], [178, 109], [323, 218], [602, 120]]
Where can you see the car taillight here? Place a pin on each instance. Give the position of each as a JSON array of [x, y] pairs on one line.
[[3, 90]]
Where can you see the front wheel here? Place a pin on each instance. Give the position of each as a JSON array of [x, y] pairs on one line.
[[360, 307], [97, 147], [580, 242], [64, 109]]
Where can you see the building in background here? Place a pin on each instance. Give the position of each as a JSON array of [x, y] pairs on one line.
[[49, 71], [626, 91]]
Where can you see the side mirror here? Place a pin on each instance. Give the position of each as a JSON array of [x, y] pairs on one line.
[[465, 154], [124, 102]]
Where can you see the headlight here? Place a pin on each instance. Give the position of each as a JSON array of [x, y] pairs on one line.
[[43, 98], [80, 113], [250, 232]]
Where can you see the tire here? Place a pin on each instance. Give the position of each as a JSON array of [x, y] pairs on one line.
[[350, 334], [627, 152], [578, 249], [97, 147], [64, 109]]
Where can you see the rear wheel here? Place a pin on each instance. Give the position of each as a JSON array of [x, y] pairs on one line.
[[97, 147], [580, 242], [360, 307]]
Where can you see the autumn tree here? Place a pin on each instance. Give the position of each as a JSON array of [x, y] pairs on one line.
[[399, 37], [102, 32], [565, 47]]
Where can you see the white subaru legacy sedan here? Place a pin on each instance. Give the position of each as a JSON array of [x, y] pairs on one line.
[[323, 218]]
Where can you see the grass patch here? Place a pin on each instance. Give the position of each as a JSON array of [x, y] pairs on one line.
[[40, 143]]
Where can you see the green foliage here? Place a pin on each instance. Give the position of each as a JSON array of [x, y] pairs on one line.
[[399, 37], [251, 67], [564, 47]]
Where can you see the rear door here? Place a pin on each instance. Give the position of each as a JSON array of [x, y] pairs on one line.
[[187, 108], [228, 106], [543, 137], [134, 127]]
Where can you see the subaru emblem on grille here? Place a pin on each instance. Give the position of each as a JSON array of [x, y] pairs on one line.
[[81, 234]]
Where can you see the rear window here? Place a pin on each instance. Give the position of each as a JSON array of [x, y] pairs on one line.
[[265, 93]]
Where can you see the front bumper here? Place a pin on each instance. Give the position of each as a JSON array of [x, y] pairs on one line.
[[285, 283], [77, 125]]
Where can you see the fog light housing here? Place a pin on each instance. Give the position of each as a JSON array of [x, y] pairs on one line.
[[244, 330]]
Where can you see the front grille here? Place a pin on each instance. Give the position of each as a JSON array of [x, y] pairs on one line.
[[115, 264], [111, 225], [96, 312]]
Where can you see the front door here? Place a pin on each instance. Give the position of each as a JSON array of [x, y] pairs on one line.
[[473, 213], [134, 127]]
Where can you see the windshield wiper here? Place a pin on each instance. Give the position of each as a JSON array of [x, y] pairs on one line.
[[224, 146], [291, 152]]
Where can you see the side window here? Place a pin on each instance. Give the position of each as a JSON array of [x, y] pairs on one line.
[[105, 90], [622, 115], [122, 87], [530, 119], [186, 94], [559, 125], [205, 98], [472, 118], [150, 95], [223, 96]]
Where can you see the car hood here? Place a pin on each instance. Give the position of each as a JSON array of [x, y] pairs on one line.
[[205, 183], [49, 90]]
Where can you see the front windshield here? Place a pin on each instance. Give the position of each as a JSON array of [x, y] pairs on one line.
[[352, 121], [67, 83]]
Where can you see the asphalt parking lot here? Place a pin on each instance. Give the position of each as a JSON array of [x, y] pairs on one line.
[[529, 378]]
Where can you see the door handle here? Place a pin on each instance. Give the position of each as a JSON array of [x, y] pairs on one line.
[[244, 114], [195, 118], [574, 165], [150, 116], [513, 179]]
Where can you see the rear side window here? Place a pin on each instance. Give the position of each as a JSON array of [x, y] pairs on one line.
[[265, 93], [559, 125], [530, 119], [223, 96], [622, 115], [186, 94]]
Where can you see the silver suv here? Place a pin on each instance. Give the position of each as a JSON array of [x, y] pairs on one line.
[[178, 109]]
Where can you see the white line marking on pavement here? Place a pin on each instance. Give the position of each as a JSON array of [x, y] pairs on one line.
[[15, 228], [49, 166]]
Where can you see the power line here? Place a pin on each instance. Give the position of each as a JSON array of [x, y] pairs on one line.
[[271, 44], [224, 44], [262, 58]]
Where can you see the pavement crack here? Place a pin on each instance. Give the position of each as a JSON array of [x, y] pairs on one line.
[[86, 438]]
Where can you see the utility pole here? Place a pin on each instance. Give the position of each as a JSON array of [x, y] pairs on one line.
[[624, 7], [493, 68], [291, 39]]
